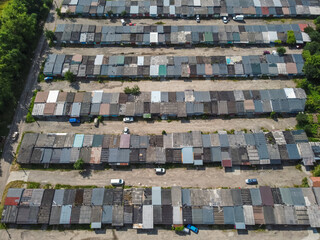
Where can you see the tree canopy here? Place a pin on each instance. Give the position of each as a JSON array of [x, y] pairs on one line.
[[19, 28], [291, 39]]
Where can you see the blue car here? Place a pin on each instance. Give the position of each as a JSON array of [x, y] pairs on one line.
[[193, 228], [74, 120], [251, 181], [48, 78]]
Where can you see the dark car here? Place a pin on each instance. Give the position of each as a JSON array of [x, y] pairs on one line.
[[266, 52], [193, 228]]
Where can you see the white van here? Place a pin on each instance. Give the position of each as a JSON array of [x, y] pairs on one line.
[[238, 18], [117, 182]]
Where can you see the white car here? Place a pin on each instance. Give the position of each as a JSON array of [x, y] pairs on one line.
[[160, 170], [117, 182], [126, 130], [225, 20], [128, 119], [15, 136]]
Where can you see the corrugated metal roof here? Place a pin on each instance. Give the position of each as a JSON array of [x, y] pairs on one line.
[[156, 195], [256, 197]]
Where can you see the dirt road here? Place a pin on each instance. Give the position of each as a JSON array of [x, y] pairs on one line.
[[142, 127], [179, 22], [173, 85], [155, 234], [210, 177], [170, 51]]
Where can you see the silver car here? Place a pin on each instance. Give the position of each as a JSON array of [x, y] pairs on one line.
[[197, 18]]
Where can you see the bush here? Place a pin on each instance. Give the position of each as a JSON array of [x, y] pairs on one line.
[[123, 13], [33, 185], [69, 76], [298, 167], [178, 229], [281, 51], [304, 182], [100, 118], [164, 132], [29, 117], [316, 171], [49, 35], [273, 115], [134, 91], [79, 164], [291, 39]]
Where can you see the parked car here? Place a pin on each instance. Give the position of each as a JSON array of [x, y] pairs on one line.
[[251, 181], [186, 230], [117, 182], [123, 22], [197, 18], [15, 136], [96, 122], [126, 130], [266, 52], [74, 120], [128, 119], [238, 18], [48, 79], [160, 170], [225, 20], [193, 228]]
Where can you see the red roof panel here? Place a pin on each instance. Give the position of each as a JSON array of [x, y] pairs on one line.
[[226, 163], [11, 201]]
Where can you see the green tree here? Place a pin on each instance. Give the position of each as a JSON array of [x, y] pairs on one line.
[[308, 30], [311, 68], [291, 39], [58, 11], [302, 119], [79, 164], [69, 76], [19, 31], [314, 36], [281, 51], [123, 13]]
